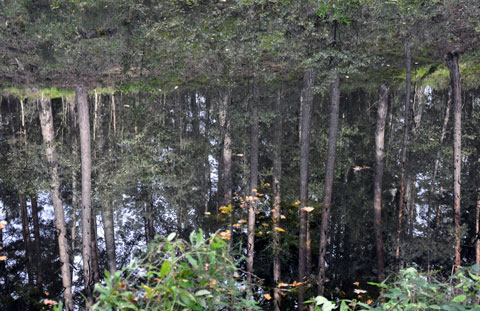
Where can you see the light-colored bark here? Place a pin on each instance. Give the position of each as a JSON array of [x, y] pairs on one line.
[[86, 162], [48, 133], [377, 186]]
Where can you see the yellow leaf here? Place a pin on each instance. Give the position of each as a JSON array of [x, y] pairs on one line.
[[260, 233], [283, 217], [3, 224], [236, 275], [279, 229], [207, 213], [242, 221], [236, 225], [267, 296], [297, 202], [369, 301], [356, 283], [307, 209], [265, 224], [281, 284], [3, 258]]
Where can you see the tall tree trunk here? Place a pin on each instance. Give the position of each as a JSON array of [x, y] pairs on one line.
[[452, 63], [36, 234], [329, 175], [477, 229], [443, 133], [377, 186], [277, 176], [252, 206], [86, 161], [26, 237], [48, 133], [94, 247], [401, 201], [75, 194], [306, 101], [225, 98]]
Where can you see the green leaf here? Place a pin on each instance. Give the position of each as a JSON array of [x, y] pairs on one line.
[[460, 298], [166, 268], [171, 236], [202, 292]]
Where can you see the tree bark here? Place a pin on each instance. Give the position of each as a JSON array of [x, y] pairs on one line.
[[94, 247], [48, 133], [36, 234], [477, 229], [306, 100], [401, 201], [329, 175], [26, 237], [277, 176], [377, 186], [225, 98], [75, 194], [252, 206], [86, 161], [452, 63]]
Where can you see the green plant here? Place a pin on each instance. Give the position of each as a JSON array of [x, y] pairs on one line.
[[177, 275], [418, 291]]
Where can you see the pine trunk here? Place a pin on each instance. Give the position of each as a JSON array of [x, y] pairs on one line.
[[94, 247], [277, 176], [306, 101], [86, 162], [48, 133], [329, 175], [377, 186], [26, 237], [252, 204], [36, 234], [477, 229], [401, 201], [75, 194], [452, 63]]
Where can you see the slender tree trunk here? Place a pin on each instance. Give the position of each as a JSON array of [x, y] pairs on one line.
[[94, 247], [477, 229], [150, 206], [452, 63], [225, 98], [437, 159], [75, 194], [306, 102], [377, 186], [36, 234], [401, 201], [86, 161], [252, 206], [48, 133], [329, 175], [26, 237], [277, 176]]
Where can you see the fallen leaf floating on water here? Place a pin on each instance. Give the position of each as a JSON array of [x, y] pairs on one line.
[[2, 258], [356, 283], [281, 284], [279, 229], [307, 209], [267, 296]]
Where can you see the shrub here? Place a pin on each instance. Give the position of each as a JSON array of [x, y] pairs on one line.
[[177, 275]]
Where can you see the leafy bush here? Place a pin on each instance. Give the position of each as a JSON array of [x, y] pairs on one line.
[[414, 291], [177, 275]]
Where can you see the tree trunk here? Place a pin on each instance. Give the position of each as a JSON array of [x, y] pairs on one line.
[[36, 234], [252, 205], [26, 237], [94, 247], [452, 63], [329, 175], [377, 186], [277, 176], [477, 229], [86, 161], [306, 100], [48, 133], [401, 201], [225, 98], [75, 194]]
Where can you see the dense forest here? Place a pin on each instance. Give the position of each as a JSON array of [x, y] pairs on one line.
[[239, 154]]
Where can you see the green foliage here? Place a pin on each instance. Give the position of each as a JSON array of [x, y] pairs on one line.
[[418, 291], [177, 275]]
